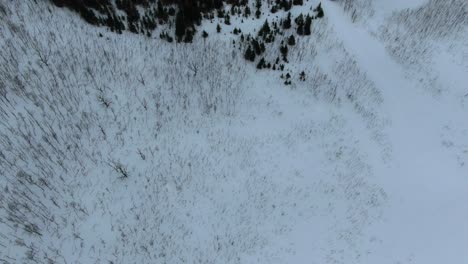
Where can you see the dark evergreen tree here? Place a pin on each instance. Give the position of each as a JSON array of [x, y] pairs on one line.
[[302, 76], [218, 28], [265, 30], [188, 36], [247, 11], [261, 64], [319, 11], [291, 41], [249, 54], [300, 24], [287, 22], [227, 20], [258, 47], [284, 52], [298, 2], [221, 13], [274, 9], [308, 25], [258, 5], [180, 26]]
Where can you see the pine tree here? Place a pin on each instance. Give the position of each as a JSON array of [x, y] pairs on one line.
[[227, 20], [284, 52], [218, 28], [258, 47], [188, 36], [287, 22], [302, 76], [180, 26], [291, 41], [319, 11], [298, 2], [247, 11], [300, 24], [249, 54], [265, 30], [258, 5], [308, 25], [261, 64]]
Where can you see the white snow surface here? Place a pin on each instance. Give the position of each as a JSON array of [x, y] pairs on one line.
[[366, 161]]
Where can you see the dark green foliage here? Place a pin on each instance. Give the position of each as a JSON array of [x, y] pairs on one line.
[[188, 36], [258, 6], [247, 11], [249, 54], [161, 12], [288, 79], [308, 25], [180, 26], [300, 24], [218, 28], [284, 52], [287, 22], [227, 20], [302, 76], [258, 47], [319, 11], [189, 13], [265, 30], [291, 41], [261, 64], [258, 13], [298, 2], [274, 9], [221, 13]]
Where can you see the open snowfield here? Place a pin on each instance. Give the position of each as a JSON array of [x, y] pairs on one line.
[[129, 149]]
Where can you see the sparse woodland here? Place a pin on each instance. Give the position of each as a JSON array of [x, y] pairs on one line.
[[170, 131]]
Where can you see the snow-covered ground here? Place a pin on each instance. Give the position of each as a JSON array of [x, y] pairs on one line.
[[126, 149]]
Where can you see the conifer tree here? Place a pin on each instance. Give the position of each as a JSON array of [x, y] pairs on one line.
[[261, 64], [291, 41], [284, 52], [319, 11], [298, 2], [249, 54], [287, 22], [247, 11], [180, 26], [265, 30], [258, 5], [300, 24], [308, 25]]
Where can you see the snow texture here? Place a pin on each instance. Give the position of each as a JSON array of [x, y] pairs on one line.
[[129, 149]]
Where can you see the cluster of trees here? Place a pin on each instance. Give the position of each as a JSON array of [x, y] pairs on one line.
[[188, 14], [267, 34], [103, 13], [304, 25], [300, 25]]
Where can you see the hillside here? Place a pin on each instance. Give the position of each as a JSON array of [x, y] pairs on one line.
[[198, 132]]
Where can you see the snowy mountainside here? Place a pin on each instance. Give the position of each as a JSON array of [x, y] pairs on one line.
[[124, 148]]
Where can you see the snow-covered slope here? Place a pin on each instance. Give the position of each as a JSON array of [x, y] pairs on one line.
[[128, 149]]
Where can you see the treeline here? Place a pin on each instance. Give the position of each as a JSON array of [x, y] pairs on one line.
[[188, 13]]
